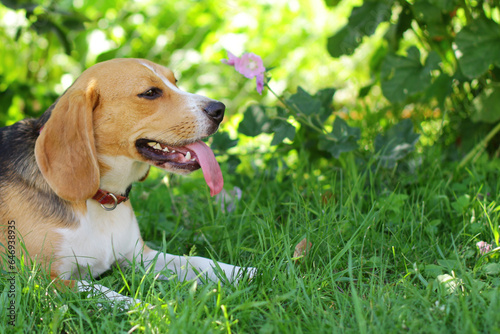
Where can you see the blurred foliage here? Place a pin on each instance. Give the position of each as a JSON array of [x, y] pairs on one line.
[[47, 44], [434, 61], [313, 129], [440, 55]]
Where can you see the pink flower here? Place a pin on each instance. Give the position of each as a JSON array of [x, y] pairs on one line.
[[232, 59], [484, 247], [228, 200], [260, 82], [250, 65]]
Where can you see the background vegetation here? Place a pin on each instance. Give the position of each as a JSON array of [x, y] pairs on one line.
[[375, 139]]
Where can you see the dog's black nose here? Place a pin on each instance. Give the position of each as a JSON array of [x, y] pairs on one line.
[[215, 110]]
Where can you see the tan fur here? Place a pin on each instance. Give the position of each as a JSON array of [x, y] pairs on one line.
[[66, 146], [39, 240]]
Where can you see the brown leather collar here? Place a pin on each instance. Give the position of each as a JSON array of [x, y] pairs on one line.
[[108, 198]]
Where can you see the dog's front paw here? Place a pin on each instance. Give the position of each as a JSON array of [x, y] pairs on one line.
[[106, 294], [244, 274]]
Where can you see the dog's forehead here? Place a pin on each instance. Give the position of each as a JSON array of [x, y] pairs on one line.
[[129, 71], [160, 72]]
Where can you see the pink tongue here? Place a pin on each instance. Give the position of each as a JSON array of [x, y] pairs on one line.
[[210, 167]]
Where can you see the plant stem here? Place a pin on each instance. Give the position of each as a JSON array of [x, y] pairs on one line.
[[467, 12], [294, 110], [480, 146]]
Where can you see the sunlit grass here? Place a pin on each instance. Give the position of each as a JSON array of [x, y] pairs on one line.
[[388, 255]]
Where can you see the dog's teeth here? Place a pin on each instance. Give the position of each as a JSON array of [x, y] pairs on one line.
[[194, 159], [188, 156], [152, 143], [166, 149], [157, 146], [173, 151]]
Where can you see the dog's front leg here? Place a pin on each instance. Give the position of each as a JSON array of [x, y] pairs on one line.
[[195, 267], [97, 290]]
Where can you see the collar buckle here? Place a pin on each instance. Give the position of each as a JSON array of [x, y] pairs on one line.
[[106, 198]]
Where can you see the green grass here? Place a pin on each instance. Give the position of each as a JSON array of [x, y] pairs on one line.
[[380, 239]]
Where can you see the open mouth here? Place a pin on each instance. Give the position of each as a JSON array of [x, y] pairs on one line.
[[178, 157], [184, 159]]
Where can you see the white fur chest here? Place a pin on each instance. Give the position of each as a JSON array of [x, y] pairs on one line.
[[101, 239]]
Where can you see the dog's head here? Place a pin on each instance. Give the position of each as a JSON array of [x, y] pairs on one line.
[[131, 108]]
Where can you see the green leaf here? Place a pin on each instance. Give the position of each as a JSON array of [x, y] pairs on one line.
[[445, 5], [255, 121], [432, 227], [74, 21], [18, 4], [305, 103], [433, 270], [107, 55], [487, 105], [343, 138], [440, 89], [449, 264], [363, 21], [377, 59], [222, 142], [364, 91], [479, 47], [332, 3], [427, 12], [282, 130], [461, 204], [406, 76], [432, 17], [398, 142], [232, 163], [492, 269], [395, 202], [325, 96], [394, 33]]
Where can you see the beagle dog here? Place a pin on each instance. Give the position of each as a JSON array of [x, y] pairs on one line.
[[65, 177]]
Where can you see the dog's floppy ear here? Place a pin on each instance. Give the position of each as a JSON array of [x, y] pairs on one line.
[[65, 151]]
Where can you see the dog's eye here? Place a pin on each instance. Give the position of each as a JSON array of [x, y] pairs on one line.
[[151, 93]]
